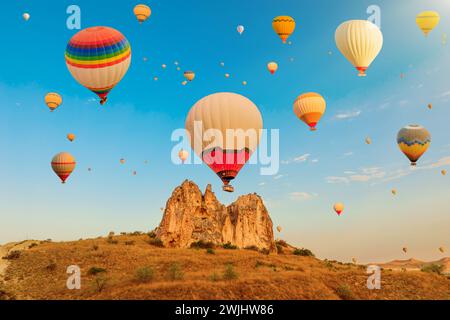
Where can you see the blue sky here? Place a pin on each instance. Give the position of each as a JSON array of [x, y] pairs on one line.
[[317, 169]]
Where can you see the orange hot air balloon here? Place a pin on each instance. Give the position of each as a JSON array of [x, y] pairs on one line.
[[284, 26], [244, 83], [405, 249], [444, 172], [142, 12], [227, 75], [63, 165], [122, 161], [430, 106], [279, 229], [71, 137], [339, 207], [53, 100], [309, 107], [272, 67], [183, 155], [189, 75]]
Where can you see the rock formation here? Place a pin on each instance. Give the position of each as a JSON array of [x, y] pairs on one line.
[[191, 216]]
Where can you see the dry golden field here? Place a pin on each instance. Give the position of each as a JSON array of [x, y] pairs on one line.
[[135, 269]]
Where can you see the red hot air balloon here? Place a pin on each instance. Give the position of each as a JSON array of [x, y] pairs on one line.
[[63, 165]]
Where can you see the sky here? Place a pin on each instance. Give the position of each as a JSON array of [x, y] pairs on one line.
[[316, 170]]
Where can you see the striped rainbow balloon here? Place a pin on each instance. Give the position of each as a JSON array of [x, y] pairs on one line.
[[98, 58]]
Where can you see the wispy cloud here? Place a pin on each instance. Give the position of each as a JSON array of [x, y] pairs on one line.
[[279, 176], [347, 114], [361, 175], [298, 159], [302, 196], [333, 179]]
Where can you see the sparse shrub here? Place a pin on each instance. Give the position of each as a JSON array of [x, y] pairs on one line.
[[282, 243], [253, 248], [12, 255], [123, 233], [328, 264], [111, 240], [51, 266], [32, 245], [229, 246], [288, 268], [265, 251], [144, 274], [345, 293], [175, 272], [214, 277], [210, 251], [95, 247], [259, 264], [152, 234], [5, 295], [100, 282], [129, 242], [433, 268], [96, 270], [157, 242], [202, 245], [279, 248], [303, 252], [111, 234], [229, 273], [136, 233]]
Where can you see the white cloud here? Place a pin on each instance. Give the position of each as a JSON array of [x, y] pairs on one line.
[[348, 154], [361, 175], [314, 160], [337, 179], [261, 184], [278, 176], [302, 158], [300, 195], [348, 114]]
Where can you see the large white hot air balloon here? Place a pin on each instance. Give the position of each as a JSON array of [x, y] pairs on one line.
[[224, 130], [359, 41]]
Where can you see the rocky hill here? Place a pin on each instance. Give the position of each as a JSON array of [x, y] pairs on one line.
[[191, 216]]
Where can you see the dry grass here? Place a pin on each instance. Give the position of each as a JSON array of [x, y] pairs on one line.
[[192, 274]]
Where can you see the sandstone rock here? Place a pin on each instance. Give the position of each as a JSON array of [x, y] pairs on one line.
[[191, 216]]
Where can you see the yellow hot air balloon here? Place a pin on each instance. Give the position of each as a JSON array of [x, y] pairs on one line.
[[232, 127], [444, 172], [71, 137], [284, 26], [63, 165], [394, 191], [427, 21], [26, 16], [142, 12], [272, 67], [309, 107], [442, 249], [368, 140], [359, 41], [413, 141], [279, 228], [430, 106], [183, 155], [244, 83], [338, 207], [189, 75], [53, 100]]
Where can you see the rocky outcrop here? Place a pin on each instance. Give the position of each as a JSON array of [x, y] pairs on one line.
[[191, 216]]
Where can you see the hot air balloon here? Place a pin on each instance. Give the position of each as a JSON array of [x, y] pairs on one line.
[[227, 75], [413, 141], [155, 78], [183, 155], [359, 41], [184, 83], [443, 172], [163, 66], [178, 68], [354, 260], [71, 137], [368, 140], [405, 249], [134, 173], [63, 165], [53, 100], [309, 107], [272, 67], [224, 113], [98, 58], [394, 191], [284, 26], [430, 106], [240, 29], [142, 12], [339, 207], [189, 75], [222, 64], [175, 63], [122, 161], [244, 83], [279, 228], [442, 249], [26, 16], [427, 21]]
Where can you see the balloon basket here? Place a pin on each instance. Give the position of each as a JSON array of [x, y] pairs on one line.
[[228, 188]]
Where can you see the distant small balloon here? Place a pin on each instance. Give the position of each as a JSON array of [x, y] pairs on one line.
[[142, 12], [244, 83], [63, 165], [272, 67], [279, 228], [430, 106], [176, 63], [183, 155], [227, 75], [354, 260], [222, 64], [26, 16], [394, 191], [163, 66], [71, 137], [53, 100], [442, 249], [368, 140], [184, 82], [178, 68], [155, 78], [134, 173], [405, 249], [122, 161], [443, 172], [240, 29], [145, 59], [339, 207], [189, 75]]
